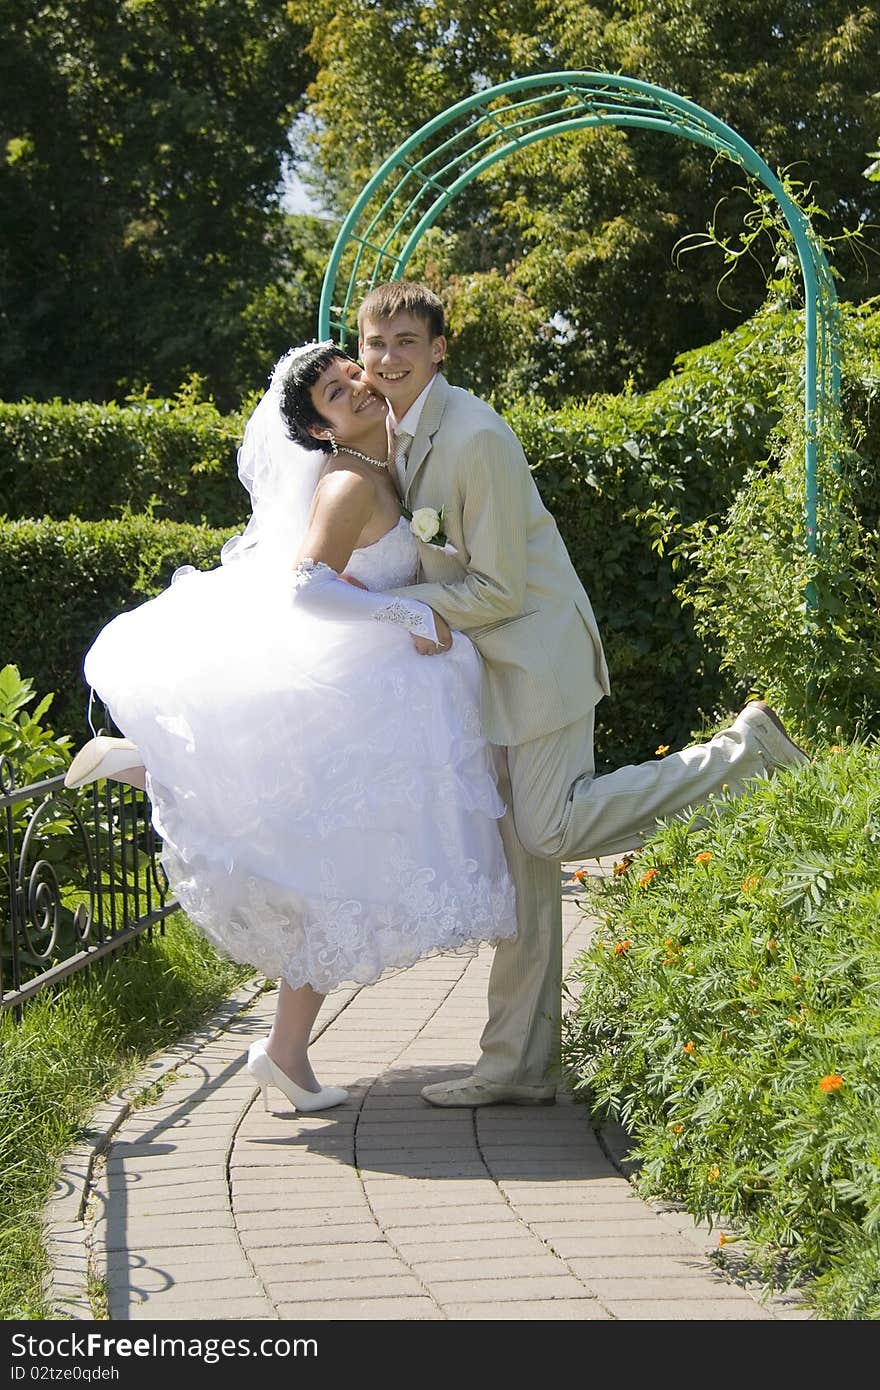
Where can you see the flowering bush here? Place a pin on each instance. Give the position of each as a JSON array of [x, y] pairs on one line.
[[736, 1033]]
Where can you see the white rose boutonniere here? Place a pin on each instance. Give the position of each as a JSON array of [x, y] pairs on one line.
[[426, 525]]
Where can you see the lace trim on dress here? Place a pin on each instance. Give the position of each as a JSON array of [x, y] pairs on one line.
[[302, 573], [403, 614]]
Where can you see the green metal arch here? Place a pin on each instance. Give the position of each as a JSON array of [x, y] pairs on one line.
[[419, 180]]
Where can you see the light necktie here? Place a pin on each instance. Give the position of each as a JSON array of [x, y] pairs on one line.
[[402, 441]]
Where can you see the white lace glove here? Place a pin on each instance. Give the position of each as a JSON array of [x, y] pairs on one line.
[[318, 589]]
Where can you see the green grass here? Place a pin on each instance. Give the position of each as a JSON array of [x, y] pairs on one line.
[[72, 1048], [729, 1016]]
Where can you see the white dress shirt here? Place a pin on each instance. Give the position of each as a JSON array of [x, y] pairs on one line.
[[408, 425]]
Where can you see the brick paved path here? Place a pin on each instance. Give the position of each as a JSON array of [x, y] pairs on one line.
[[202, 1206]]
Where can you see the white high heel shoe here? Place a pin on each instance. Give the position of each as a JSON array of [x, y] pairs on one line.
[[102, 757], [264, 1070]]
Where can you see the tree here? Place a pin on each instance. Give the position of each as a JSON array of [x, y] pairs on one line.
[[143, 142], [577, 235]]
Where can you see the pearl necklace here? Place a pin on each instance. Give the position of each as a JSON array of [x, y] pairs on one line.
[[356, 453]]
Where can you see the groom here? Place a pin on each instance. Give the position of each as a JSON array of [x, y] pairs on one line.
[[513, 590]]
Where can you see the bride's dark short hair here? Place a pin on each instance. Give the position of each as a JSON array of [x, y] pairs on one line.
[[297, 407]]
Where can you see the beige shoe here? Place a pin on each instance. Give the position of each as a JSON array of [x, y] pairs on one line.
[[776, 747], [473, 1090], [102, 756]]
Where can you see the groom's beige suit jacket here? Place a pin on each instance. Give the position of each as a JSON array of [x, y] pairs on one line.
[[511, 587]]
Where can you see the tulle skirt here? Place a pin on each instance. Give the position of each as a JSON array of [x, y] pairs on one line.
[[326, 801]]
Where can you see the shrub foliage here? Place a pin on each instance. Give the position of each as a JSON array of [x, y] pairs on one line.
[[175, 458], [729, 1017], [63, 580]]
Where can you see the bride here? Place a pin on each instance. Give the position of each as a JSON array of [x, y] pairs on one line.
[[325, 797]]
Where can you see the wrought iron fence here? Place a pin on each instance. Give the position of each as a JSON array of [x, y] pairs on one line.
[[80, 879]]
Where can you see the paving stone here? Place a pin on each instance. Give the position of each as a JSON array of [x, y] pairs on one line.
[[171, 1307], [362, 1252], [508, 1243], [176, 1182], [531, 1310], [153, 1203], [682, 1310], [139, 1226], [496, 1229], [599, 1248], [159, 1164], [370, 1309], [347, 1266], [687, 1289], [334, 1234], [562, 1222], [325, 1214], [398, 1200], [163, 1236], [644, 1265], [501, 1290], [153, 1278], [436, 1271], [568, 1191], [399, 1218], [363, 1287], [328, 1198], [281, 1181]]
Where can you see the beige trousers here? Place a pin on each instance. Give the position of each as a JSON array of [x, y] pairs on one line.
[[560, 811]]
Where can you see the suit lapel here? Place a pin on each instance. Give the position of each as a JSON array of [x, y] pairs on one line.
[[432, 414]]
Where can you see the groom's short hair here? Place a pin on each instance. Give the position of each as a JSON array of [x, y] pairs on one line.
[[403, 297]]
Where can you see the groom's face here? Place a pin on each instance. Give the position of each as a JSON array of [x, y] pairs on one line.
[[400, 357]]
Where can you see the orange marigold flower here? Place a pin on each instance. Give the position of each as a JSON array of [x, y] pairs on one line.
[[831, 1083], [703, 858], [579, 876], [835, 748], [750, 884], [689, 1047], [714, 1173], [648, 877], [679, 1129], [722, 1240], [796, 979], [661, 750], [623, 865], [621, 946]]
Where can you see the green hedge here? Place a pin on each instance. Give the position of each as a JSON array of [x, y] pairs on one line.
[[97, 461], [63, 580], [621, 474]]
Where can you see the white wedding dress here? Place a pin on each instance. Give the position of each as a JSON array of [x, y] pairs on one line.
[[325, 798]]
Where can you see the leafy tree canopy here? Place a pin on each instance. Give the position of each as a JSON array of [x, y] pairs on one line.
[[141, 143], [557, 265]]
